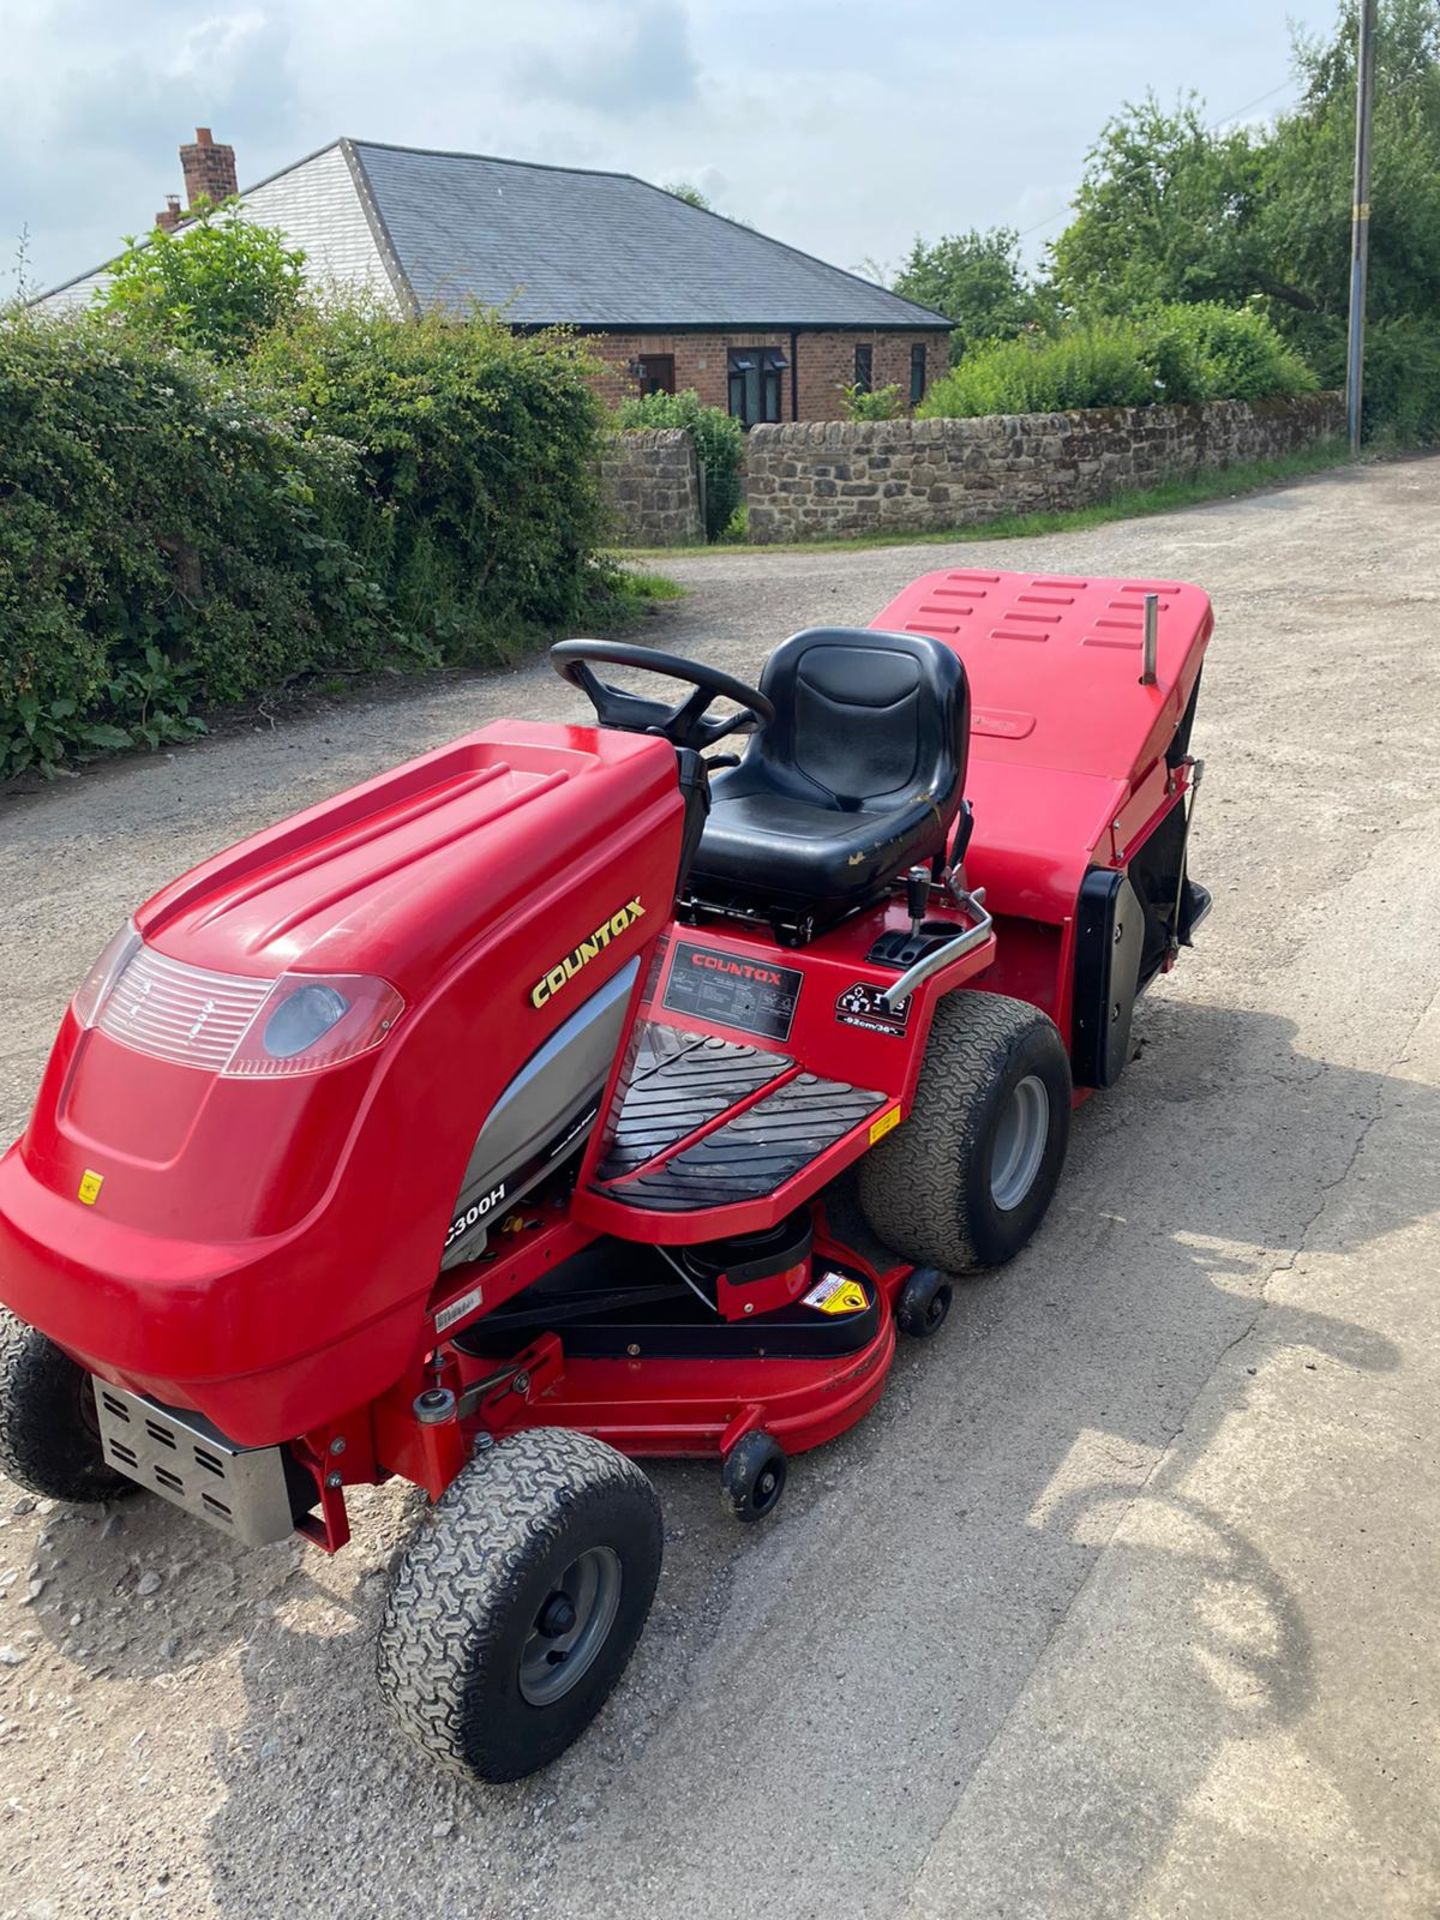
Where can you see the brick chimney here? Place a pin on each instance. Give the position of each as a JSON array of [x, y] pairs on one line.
[[209, 169], [172, 216]]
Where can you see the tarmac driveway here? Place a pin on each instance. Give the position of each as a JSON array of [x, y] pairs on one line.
[[1124, 1602]]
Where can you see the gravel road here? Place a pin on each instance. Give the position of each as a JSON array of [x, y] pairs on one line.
[[1124, 1602]]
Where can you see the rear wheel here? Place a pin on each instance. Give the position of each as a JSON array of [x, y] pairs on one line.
[[968, 1177], [521, 1599], [49, 1436]]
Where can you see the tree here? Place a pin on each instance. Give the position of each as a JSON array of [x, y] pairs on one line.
[[1166, 211], [1172, 209], [691, 195], [976, 280], [217, 283]]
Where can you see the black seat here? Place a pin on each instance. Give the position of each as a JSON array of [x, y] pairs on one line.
[[858, 777]]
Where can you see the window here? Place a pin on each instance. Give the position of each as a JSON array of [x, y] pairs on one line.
[[917, 375], [656, 373], [864, 369], [755, 383]]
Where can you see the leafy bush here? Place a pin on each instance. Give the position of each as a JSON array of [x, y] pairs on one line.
[[167, 538], [216, 283], [719, 441], [1173, 354], [872, 403], [479, 505], [1101, 364], [1402, 379], [176, 535], [1210, 352]]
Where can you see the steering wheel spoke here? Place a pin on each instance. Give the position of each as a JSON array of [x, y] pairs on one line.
[[688, 723]]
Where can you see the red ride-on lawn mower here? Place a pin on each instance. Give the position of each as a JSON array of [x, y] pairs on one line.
[[563, 1098]]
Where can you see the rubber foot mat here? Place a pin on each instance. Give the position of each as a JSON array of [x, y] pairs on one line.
[[681, 1081], [756, 1152]]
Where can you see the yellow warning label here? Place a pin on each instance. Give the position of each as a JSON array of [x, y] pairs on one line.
[[847, 1299], [837, 1293], [882, 1126], [90, 1185]]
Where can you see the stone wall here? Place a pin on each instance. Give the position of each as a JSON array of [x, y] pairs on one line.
[[812, 481], [652, 487]]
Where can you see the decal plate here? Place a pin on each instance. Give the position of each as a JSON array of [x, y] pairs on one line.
[[837, 1293], [753, 996], [861, 1006]]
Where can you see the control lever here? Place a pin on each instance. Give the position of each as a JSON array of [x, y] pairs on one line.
[[917, 896]]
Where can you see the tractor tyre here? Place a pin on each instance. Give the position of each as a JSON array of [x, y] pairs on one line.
[[49, 1436], [965, 1181], [518, 1604]]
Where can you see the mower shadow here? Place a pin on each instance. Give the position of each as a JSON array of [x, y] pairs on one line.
[[971, 1506]]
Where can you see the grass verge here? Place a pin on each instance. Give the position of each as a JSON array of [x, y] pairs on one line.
[[1249, 476]]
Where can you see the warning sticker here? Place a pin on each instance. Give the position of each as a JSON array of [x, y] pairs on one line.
[[883, 1125], [837, 1293]]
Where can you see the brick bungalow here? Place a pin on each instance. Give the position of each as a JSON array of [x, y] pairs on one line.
[[668, 295]]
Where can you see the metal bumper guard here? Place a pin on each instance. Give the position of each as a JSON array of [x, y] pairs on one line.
[[243, 1491]]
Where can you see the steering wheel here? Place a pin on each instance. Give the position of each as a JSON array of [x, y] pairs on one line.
[[686, 724]]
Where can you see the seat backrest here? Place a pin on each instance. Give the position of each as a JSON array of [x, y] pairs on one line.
[[864, 718]]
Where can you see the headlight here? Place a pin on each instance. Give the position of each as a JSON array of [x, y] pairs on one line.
[[232, 1024], [113, 959], [301, 1019]]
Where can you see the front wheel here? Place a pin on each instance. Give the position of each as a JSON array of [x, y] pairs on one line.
[[49, 1435], [968, 1177], [520, 1601]]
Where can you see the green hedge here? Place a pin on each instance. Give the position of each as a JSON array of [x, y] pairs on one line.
[[479, 507], [166, 539], [719, 442], [363, 493], [1174, 354]]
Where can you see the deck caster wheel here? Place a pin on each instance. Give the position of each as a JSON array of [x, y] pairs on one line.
[[923, 1303], [49, 1435], [518, 1604], [753, 1477]]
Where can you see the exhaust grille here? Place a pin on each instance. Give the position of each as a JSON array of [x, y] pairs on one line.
[[241, 1490]]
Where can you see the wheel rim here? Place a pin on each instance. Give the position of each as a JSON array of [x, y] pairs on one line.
[[1020, 1136], [768, 1483], [571, 1626]]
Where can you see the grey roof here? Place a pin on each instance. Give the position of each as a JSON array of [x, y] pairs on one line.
[[561, 244], [547, 245]]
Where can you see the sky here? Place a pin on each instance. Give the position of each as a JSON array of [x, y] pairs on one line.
[[843, 127]]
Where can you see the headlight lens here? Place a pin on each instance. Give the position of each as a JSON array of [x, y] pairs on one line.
[[301, 1019]]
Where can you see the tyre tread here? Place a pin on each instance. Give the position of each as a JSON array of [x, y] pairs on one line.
[[446, 1615], [907, 1183]]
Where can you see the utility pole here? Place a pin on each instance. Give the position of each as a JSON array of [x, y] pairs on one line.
[[1360, 222]]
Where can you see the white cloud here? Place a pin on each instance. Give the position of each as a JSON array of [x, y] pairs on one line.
[[842, 127]]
